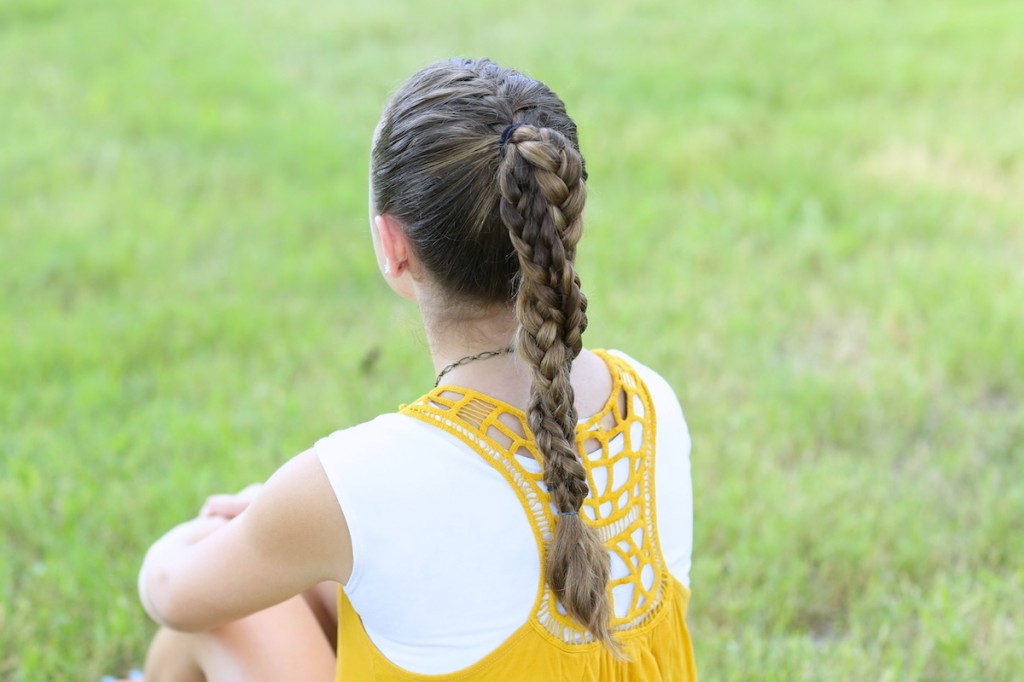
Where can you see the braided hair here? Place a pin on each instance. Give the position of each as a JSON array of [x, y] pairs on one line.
[[481, 165]]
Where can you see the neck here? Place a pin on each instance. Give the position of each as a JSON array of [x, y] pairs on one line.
[[505, 377], [471, 332], [451, 338]]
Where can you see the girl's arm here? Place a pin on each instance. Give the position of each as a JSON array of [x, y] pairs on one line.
[[209, 571], [230, 506]]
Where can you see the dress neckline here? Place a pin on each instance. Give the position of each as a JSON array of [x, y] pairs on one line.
[[585, 421]]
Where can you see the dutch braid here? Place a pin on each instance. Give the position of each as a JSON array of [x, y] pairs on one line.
[[438, 150], [542, 198]]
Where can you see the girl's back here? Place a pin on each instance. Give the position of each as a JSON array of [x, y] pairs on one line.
[[449, 518]]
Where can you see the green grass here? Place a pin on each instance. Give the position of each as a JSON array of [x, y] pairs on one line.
[[808, 216]]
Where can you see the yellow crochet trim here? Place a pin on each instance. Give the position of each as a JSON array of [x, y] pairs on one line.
[[618, 440]]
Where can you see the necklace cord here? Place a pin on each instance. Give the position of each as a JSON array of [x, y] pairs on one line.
[[487, 354]]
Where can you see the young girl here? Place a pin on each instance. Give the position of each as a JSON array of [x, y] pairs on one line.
[[527, 519]]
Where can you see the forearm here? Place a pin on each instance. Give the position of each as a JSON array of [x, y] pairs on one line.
[[164, 562], [211, 570]]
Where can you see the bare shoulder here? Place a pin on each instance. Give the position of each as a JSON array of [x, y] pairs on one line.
[[591, 382]]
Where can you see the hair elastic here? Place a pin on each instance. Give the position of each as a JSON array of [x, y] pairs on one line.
[[507, 133], [569, 513]]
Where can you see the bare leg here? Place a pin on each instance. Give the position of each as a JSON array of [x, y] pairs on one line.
[[284, 642], [172, 656], [323, 602]]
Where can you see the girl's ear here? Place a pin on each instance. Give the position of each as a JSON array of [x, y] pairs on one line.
[[397, 261], [394, 245]]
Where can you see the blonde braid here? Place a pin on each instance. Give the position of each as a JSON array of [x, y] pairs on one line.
[[542, 198]]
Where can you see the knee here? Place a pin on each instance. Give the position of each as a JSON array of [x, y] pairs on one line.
[[172, 657]]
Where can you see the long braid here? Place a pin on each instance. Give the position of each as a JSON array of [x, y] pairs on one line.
[[542, 198], [434, 164]]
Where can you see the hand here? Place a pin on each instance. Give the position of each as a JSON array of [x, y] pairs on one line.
[[195, 530], [229, 506]]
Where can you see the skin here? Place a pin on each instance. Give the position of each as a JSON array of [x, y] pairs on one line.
[[233, 602]]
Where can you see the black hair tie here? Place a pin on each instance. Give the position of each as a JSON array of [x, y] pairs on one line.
[[507, 133]]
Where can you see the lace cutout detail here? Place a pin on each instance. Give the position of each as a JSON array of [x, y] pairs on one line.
[[619, 461]]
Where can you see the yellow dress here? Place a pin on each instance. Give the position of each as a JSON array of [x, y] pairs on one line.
[[549, 646]]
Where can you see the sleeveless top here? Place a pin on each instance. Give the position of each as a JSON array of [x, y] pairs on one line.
[[539, 641]]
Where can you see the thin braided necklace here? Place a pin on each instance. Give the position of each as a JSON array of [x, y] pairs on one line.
[[487, 354]]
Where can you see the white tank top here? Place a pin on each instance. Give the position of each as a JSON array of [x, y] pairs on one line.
[[445, 563]]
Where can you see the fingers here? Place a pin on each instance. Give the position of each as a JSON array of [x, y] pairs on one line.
[[197, 529], [227, 506], [230, 506]]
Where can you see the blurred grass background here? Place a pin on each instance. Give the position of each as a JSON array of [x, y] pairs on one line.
[[809, 216]]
